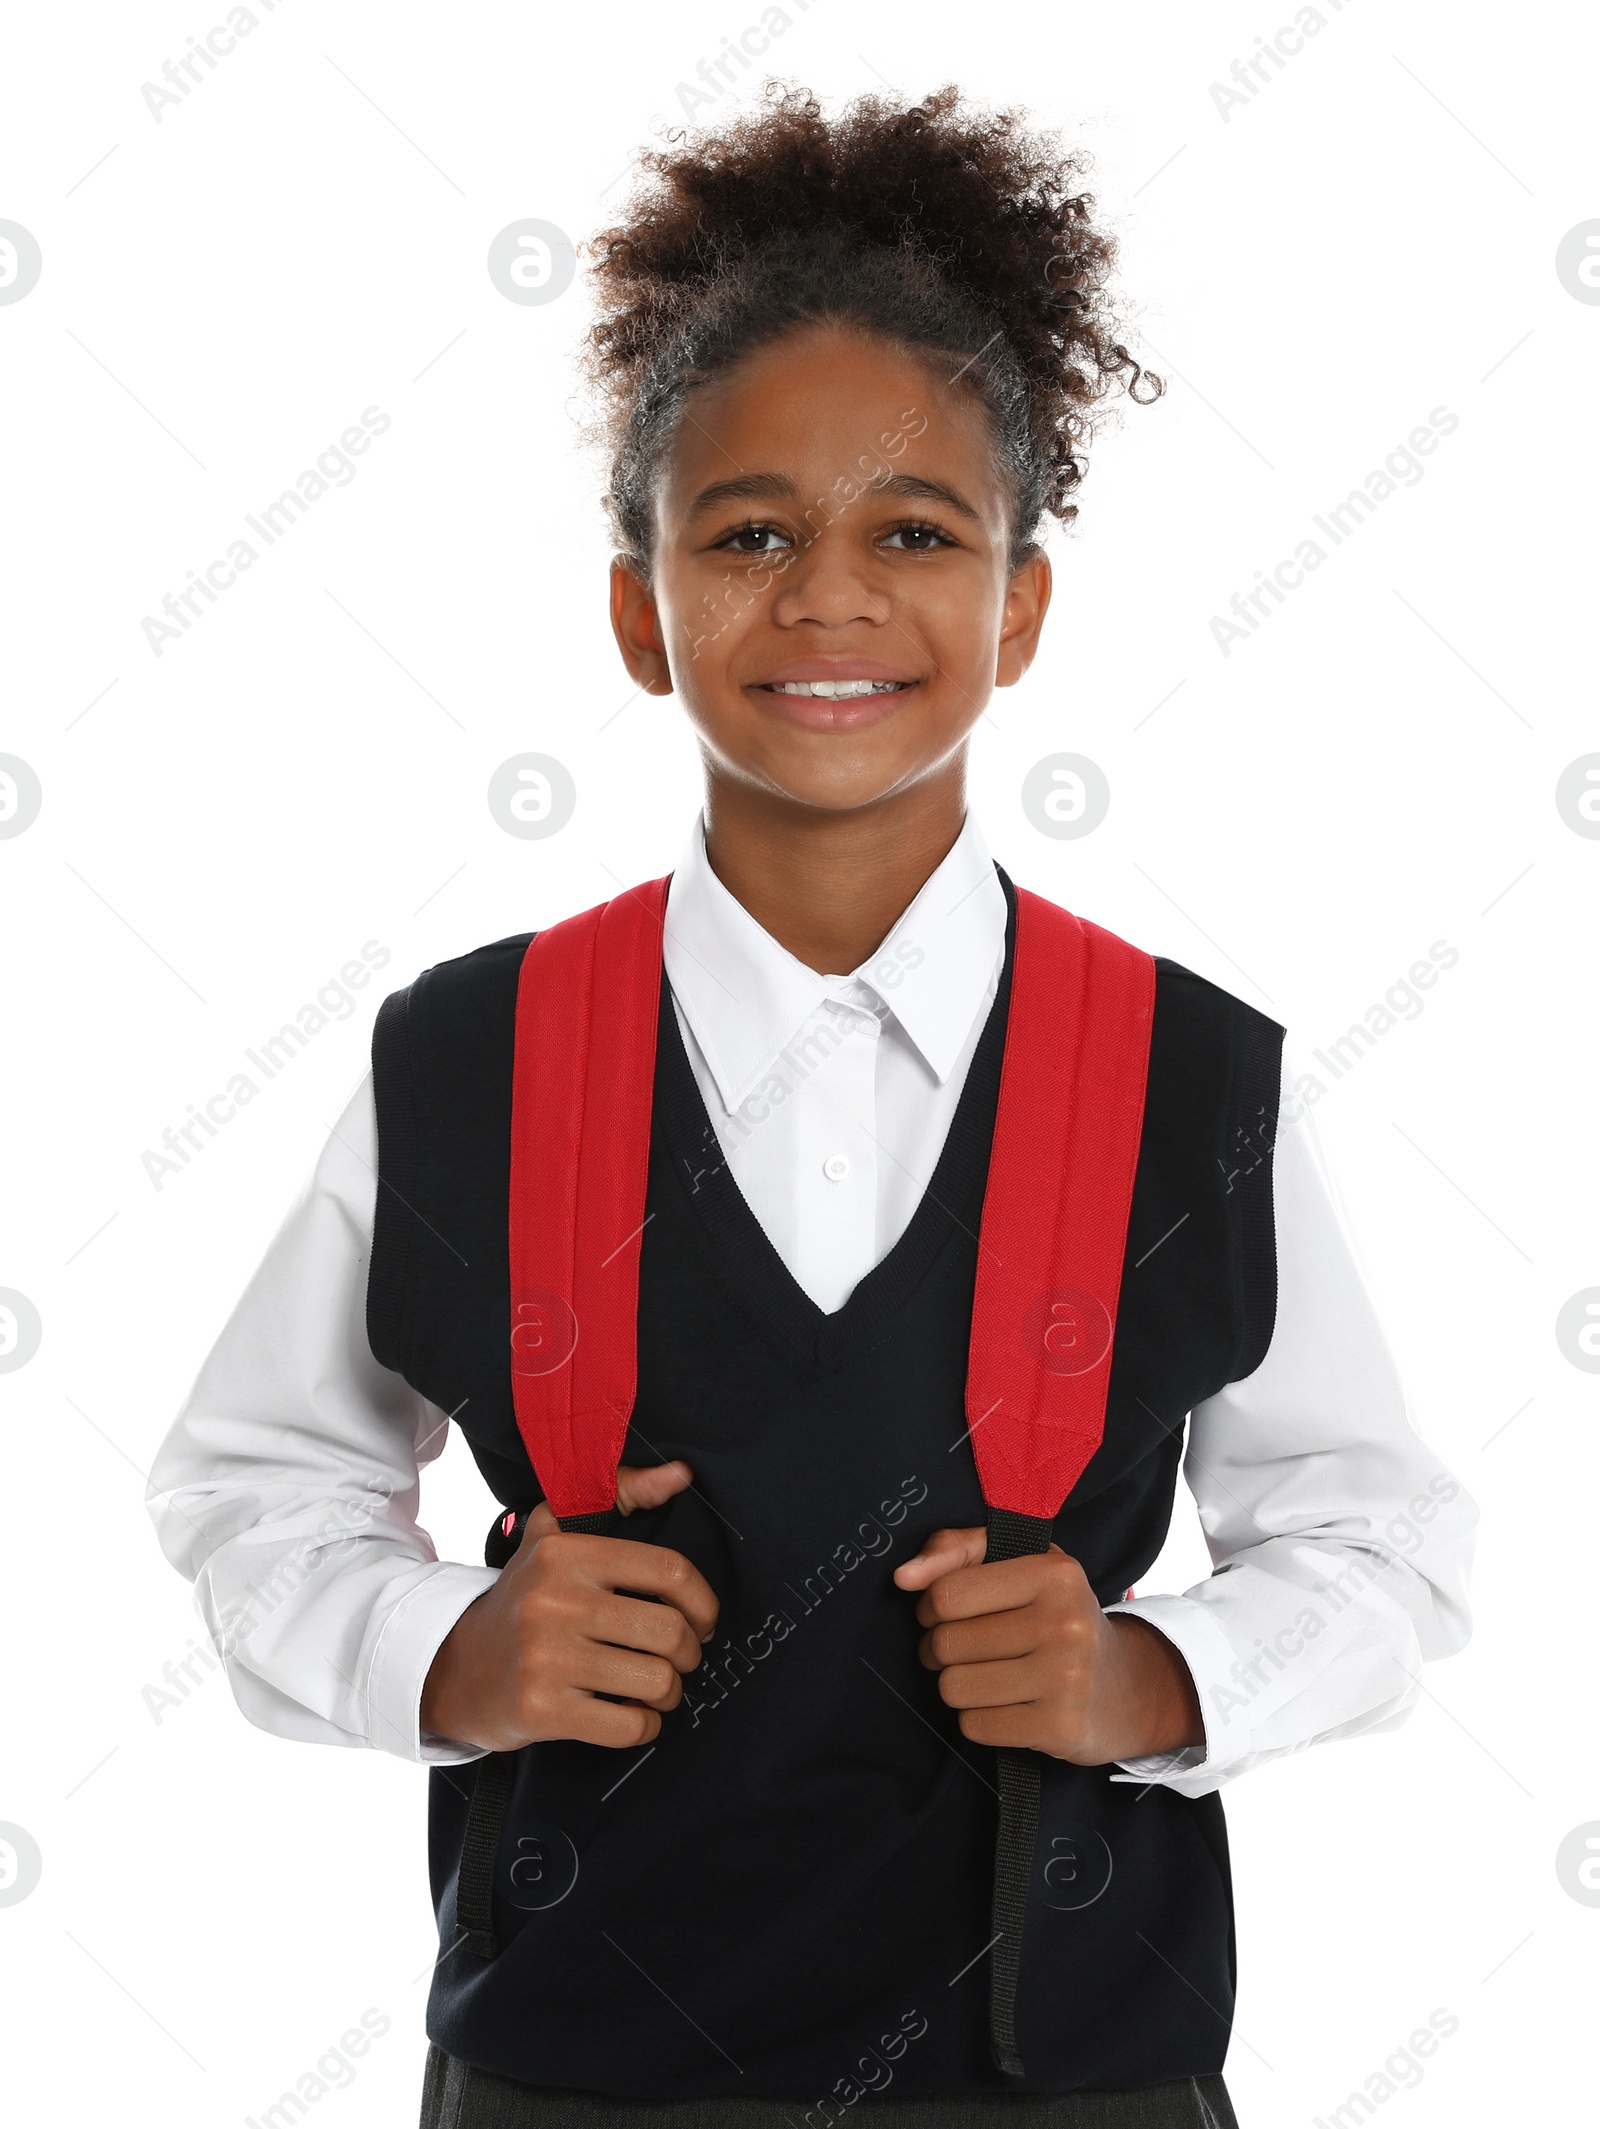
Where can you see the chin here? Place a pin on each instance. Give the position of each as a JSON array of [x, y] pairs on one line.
[[831, 794], [830, 775]]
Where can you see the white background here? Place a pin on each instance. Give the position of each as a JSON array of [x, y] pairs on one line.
[[1371, 236]]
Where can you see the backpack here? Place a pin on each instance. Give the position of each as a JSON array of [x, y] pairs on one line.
[[1051, 1243]]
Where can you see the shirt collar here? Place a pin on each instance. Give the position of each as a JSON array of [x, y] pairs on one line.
[[745, 997]]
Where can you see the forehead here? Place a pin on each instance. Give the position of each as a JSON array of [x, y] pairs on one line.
[[826, 402]]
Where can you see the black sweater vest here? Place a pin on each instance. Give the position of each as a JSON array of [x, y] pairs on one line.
[[803, 1861]]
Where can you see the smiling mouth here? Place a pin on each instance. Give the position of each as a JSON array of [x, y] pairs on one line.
[[835, 690], [836, 706]]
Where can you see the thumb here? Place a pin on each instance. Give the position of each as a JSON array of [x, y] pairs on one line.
[[942, 1554], [648, 1485], [539, 1525]]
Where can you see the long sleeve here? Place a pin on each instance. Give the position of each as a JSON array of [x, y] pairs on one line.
[[1341, 1544], [287, 1488]]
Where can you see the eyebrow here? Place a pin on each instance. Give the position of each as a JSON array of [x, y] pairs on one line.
[[778, 488]]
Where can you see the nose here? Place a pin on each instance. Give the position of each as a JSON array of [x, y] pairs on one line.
[[830, 584]]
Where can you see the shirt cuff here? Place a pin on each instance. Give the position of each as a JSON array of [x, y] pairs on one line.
[[409, 1640], [1206, 1649]]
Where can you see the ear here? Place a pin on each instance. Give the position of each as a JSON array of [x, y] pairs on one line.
[[1027, 602], [636, 624]]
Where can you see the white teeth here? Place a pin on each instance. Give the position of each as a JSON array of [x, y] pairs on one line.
[[835, 690]]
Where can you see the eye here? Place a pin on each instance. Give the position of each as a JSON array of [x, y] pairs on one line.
[[751, 532], [919, 537]]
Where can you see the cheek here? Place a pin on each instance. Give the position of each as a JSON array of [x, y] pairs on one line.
[[707, 615], [957, 615]]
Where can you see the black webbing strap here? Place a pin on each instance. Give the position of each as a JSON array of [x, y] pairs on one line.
[[475, 1885], [1010, 1536], [497, 1774]]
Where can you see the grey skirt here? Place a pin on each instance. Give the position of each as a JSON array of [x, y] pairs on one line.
[[455, 2096]]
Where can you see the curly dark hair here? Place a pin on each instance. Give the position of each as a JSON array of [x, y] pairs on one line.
[[951, 231]]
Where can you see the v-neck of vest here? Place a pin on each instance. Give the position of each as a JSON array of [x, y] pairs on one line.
[[747, 1257]]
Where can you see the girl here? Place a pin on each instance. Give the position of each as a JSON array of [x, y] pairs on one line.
[[866, 1231]]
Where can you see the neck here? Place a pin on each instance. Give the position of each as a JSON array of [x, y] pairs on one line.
[[830, 886]]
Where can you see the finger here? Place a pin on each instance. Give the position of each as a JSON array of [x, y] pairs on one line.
[[608, 1722], [539, 1526], [990, 1685], [942, 1554], [627, 1674], [652, 1571], [1022, 1725], [1000, 1585], [657, 1629], [649, 1485], [993, 1637]]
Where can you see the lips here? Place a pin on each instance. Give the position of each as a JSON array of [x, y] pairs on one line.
[[834, 694], [833, 690], [840, 669], [835, 713]]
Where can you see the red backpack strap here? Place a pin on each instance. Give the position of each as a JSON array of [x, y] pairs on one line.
[[1044, 1311], [1055, 1215], [583, 1074], [1055, 1211]]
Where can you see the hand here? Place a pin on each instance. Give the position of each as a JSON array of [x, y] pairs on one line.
[[1028, 1656], [525, 1661]]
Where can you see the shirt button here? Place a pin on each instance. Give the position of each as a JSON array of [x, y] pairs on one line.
[[836, 1167]]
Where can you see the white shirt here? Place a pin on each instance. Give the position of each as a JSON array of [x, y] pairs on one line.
[[288, 1487], [832, 1095]]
